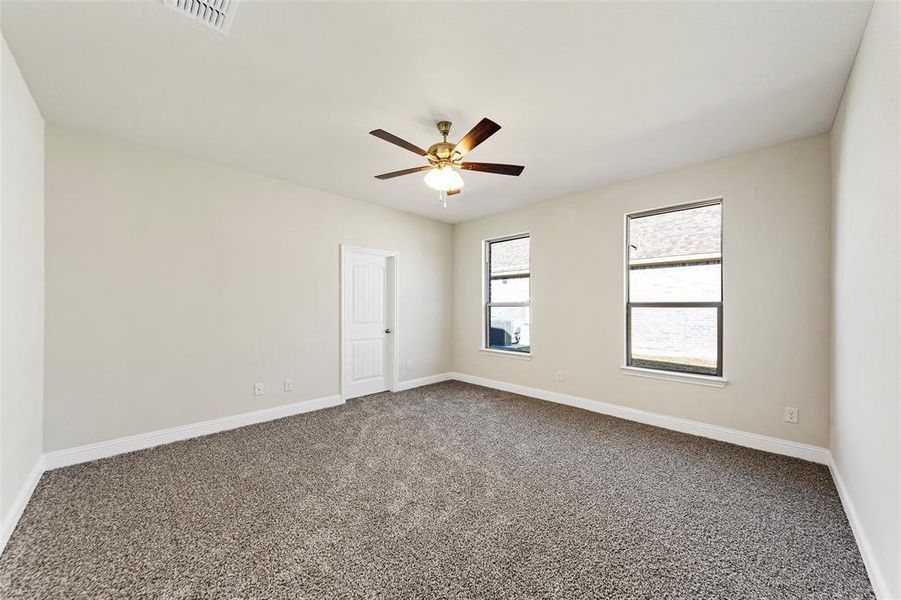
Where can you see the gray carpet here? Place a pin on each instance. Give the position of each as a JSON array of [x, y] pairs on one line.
[[447, 491]]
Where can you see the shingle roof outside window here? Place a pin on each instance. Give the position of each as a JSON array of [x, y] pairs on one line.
[[679, 233], [510, 256]]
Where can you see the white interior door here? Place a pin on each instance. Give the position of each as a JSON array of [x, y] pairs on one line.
[[368, 322]]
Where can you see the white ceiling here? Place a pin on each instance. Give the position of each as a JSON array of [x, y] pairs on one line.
[[586, 93]]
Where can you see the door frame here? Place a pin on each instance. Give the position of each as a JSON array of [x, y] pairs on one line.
[[391, 287]]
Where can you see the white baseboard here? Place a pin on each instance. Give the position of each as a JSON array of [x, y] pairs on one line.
[[409, 384], [724, 434], [80, 454], [877, 577], [12, 516]]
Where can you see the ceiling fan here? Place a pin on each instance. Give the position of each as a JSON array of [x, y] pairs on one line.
[[445, 158]]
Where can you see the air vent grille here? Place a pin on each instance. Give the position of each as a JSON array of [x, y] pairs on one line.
[[215, 14]]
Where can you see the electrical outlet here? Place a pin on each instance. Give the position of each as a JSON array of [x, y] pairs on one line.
[[791, 414], [258, 389], [408, 365], [289, 385], [559, 376]]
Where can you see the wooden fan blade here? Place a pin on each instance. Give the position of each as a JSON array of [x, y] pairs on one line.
[[404, 172], [452, 192], [483, 130], [390, 137], [493, 168]]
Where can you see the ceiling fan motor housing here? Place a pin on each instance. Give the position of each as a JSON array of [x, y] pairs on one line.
[[442, 153]]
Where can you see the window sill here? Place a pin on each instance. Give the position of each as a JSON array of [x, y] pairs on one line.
[[706, 380], [508, 353]]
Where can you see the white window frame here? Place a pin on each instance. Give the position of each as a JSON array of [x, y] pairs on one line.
[[718, 380], [486, 305]]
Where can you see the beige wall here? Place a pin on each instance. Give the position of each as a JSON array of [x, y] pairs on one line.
[[866, 406], [777, 301], [21, 282], [173, 285]]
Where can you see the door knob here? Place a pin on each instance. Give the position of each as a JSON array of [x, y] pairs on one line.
[[388, 330]]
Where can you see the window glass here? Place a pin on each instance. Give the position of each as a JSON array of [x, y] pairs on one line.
[[509, 328], [509, 257], [510, 290], [675, 283], [507, 291], [676, 339], [675, 296], [676, 234]]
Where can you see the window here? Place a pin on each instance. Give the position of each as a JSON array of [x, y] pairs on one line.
[[674, 294], [507, 294]]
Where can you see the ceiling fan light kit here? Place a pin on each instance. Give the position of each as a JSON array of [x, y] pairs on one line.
[[445, 158], [444, 178]]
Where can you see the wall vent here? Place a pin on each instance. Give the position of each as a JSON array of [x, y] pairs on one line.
[[215, 14]]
